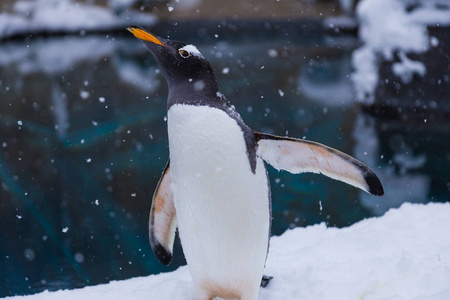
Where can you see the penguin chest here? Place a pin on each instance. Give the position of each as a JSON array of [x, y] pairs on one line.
[[222, 206]]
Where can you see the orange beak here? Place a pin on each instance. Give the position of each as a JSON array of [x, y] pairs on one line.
[[144, 35]]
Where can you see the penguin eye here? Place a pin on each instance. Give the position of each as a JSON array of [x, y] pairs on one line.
[[184, 53]]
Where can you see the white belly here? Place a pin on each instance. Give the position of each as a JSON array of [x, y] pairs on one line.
[[222, 207]]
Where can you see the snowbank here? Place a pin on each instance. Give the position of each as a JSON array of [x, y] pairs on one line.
[[40, 16], [388, 27], [404, 255]]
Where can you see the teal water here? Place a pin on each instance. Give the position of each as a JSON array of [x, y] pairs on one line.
[[83, 142]]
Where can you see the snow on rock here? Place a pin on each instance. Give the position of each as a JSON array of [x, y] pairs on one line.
[[30, 17], [404, 255], [388, 27]]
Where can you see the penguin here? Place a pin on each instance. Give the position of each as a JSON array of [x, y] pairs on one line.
[[215, 188]]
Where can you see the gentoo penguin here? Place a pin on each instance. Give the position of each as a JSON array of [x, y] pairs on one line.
[[215, 188]]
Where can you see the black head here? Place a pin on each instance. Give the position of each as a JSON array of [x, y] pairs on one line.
[[185, 68], [191, 80]]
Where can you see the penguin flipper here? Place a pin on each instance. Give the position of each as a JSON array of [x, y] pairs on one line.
[[162, 223], [299, 156]]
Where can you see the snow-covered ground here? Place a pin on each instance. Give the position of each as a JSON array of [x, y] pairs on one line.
[[390, 27], [403, 255], [38, 16]]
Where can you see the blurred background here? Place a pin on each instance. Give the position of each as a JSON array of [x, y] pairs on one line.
[[83, 137]]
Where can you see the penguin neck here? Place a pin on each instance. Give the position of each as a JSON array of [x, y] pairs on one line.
[[205, 92], [194, 91]]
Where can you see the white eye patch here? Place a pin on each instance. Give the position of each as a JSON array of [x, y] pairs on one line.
[[190, 49]]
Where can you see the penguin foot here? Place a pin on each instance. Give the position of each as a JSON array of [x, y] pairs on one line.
[[265, 280]]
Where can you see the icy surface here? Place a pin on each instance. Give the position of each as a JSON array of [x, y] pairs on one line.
[[404, 255], [28, 17], [390, 27]]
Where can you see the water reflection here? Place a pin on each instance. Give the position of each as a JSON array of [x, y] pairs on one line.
[[402, 179], [84, 142]]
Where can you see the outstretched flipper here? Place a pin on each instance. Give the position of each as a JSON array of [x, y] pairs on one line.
[[162, 223], [299, 156]]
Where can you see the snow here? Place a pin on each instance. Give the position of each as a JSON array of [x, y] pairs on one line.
[[406, 68], [389, 27], [403, 255], [31, 17], [272, 53]]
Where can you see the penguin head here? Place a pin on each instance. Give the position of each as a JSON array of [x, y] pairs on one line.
[[179, 62]]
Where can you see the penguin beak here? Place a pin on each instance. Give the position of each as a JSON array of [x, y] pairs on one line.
[[144, 35]]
